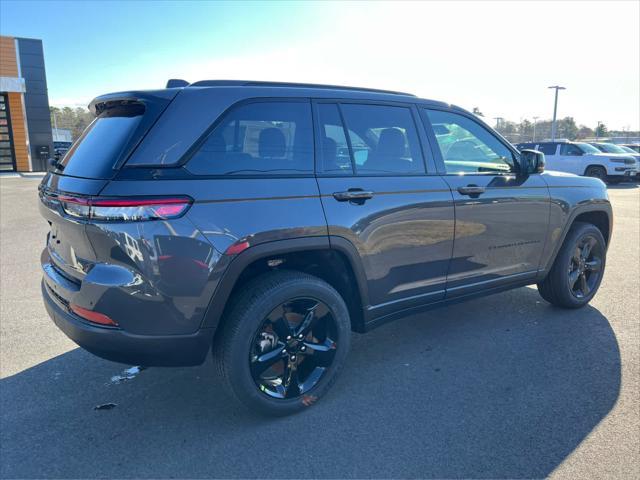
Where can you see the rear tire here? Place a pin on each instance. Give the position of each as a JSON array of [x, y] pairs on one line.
[[265, 325], [576, 273], [596, 172]]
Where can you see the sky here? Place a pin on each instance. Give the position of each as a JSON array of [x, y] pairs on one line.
[[497, 56]]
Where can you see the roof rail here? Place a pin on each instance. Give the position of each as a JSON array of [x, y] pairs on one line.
[[252, 83]]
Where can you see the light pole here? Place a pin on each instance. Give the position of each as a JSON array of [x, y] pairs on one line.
[[598, 130], [555, 111], [535, 122], [498, 120]]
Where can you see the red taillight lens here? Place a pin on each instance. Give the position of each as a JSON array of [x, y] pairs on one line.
[[93, 317], [237, 248], [125, 209]]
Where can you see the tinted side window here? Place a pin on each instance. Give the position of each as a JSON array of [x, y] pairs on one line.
[[526, 146], [267, 138], [384, 139], [570, 150], [468, 147], [547, 148], [334, 150]]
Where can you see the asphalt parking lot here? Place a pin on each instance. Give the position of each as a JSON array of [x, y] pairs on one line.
[[504, 386]]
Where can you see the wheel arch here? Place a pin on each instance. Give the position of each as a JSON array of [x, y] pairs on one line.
[[333, 260], [595, 165], [598, 214]]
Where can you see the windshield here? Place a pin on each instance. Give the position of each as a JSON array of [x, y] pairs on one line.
[[610, 148], [586, 148]]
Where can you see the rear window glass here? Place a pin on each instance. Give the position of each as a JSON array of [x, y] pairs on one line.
[[262, 138], [547, 148], [103, 142]]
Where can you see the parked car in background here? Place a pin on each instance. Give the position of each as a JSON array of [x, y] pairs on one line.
[[620, 150], [632, 146], [60, 149], [265, 222], [585, 159]]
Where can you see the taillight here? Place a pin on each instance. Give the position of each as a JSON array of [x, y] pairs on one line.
[[124, 209]]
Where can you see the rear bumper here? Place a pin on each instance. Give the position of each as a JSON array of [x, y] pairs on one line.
[[119, 346]]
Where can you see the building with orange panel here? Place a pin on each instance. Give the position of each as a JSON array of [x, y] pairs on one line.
[[25, 124]]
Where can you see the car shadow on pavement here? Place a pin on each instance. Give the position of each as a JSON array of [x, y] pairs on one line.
[[624, 186], [504, 386]]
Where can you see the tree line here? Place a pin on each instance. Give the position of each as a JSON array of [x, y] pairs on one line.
[[527, 130], [74, 119]]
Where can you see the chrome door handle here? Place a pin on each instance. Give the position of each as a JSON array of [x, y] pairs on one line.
[[471, 190], [353, 195]]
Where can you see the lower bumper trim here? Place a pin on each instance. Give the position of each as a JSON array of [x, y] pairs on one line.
[[119, 346]]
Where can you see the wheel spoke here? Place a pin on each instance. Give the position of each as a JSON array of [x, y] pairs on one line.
[[266, 360], [573, 278], [282, 328], [586, 249], [323, 353], [594, 265], [308, 321], [291, 381], [312, 379], [576, 255], [584, 286]]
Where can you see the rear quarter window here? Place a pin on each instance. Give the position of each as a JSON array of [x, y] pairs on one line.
[[258, 138]]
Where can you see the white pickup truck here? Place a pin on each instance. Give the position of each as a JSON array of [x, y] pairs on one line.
[[584, 159]]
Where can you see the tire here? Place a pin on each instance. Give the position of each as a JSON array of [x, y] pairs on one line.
[[563, 285], [596, 172], [250, 323]]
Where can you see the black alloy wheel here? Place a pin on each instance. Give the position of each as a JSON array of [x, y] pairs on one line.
[[283, 342], [585, 267], [576, 273], [293, 348]]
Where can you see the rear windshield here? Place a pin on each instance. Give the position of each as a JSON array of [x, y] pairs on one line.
[[104, 141]]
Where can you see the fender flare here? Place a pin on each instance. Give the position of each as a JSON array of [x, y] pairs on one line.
[[596, 206], [232, 268]]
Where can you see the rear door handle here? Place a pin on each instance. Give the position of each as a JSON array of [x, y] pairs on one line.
[[471, 190], [352, 195]]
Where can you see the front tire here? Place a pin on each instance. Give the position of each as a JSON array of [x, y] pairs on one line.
[[577, 271], [597, 172], [284, 339]]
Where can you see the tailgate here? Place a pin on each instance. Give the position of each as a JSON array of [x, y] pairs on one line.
[[67, 243]]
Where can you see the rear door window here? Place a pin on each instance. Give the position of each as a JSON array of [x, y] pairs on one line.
[[259, 138], [384, 139], [570, 150]]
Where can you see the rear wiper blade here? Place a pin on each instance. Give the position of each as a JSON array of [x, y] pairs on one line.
[[56, 164]]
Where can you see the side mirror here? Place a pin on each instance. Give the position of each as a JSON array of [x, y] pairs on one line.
[[531, 161]]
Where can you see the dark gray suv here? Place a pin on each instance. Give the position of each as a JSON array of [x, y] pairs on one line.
[[268, 221]]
